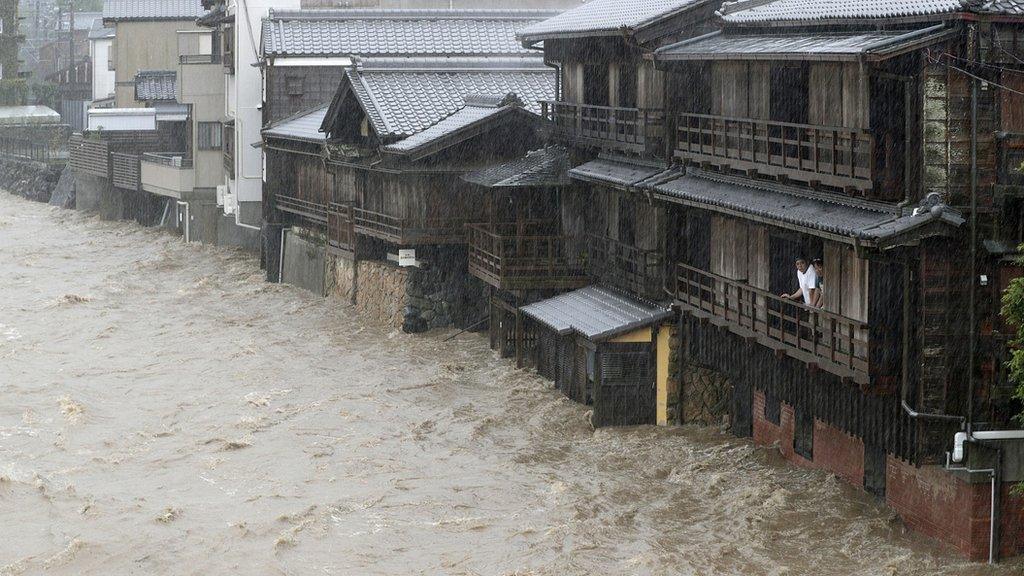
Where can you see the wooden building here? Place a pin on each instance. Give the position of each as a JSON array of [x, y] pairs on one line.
[[710, 154]]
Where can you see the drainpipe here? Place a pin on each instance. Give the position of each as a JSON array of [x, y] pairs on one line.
[[972, 326]]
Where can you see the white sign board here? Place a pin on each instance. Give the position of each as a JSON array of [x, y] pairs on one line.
[[407, 257]]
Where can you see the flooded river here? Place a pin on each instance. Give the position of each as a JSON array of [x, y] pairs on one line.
[[164, 411]]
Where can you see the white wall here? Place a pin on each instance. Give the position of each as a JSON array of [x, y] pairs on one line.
[[244, 92], [102, 76]]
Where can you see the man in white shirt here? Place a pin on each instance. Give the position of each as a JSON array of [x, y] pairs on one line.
[[807, 279]]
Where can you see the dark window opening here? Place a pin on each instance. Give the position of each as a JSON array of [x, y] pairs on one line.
[[803, 435], [790, 92], [627, 86], [595, 84], [772, 408], [627, 221]]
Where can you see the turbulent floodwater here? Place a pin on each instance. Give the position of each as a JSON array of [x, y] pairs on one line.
[[164, 411]]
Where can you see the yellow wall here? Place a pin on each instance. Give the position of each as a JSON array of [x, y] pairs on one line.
[[663, 350], [641, 336]]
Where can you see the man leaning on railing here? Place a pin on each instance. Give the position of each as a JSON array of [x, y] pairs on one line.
[[807, 281]]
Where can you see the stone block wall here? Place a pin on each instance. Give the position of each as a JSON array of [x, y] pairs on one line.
[[380, 292], [32, 180], [705, 396]]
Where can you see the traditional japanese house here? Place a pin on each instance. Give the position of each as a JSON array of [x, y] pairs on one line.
[[432, 95], [610, 113], [846, 131]]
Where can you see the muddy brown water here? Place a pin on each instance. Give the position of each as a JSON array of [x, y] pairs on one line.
[[165, 411]]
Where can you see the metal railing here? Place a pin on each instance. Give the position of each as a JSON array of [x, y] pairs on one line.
[[25, 149], [624, 266], [525, 255], [831, 339], [833, 156], [620, 128], [171, 159], [200, 59]]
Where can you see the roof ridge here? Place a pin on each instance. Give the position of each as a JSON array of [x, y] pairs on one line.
[[411, 13]]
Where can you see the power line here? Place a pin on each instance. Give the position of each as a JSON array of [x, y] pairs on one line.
[[986, 80]]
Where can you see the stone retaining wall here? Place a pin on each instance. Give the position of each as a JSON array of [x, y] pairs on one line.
[[32, 180]]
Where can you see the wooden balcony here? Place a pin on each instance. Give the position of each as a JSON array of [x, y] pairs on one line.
[[815, 155], [315, 212], [125, 171], [833, 342], [525, 256], [341, 233], [409, 231], [625, 267], [620, 129]]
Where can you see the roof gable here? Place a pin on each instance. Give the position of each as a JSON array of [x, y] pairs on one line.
[[606, 18]]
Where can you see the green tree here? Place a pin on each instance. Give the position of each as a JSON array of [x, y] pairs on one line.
[[1013, 311]]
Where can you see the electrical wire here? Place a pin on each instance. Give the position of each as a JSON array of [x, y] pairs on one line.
[[961, 70]]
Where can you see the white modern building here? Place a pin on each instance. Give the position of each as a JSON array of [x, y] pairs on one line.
[[101, 40]]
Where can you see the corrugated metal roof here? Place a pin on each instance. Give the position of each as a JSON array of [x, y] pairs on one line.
[[14, 115], [152, 9], [540, 168], [616, 172], [830, 46], [300, 127], [595, 312], [778, 205], [606, 16], [404, 97], [101, 33], [153, 85], [397, 32]]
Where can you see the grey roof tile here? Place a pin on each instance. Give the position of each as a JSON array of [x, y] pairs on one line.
[[616, 172], [472, 114], [607, 17], [303, 126], [397, 32], [540, 168], [595, 312], [758, 11], [154, 85], [152, 9], [831, 45], [825, 213], [404, 97]]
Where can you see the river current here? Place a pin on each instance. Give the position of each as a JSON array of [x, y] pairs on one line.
[[165, 411]]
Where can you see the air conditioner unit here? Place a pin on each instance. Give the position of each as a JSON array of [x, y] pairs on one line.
[[229, 204], [222, 191]]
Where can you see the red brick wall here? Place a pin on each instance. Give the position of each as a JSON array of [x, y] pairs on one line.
[[834, 451]]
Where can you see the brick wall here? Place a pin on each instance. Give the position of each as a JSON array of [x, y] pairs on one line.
[[834, 451]]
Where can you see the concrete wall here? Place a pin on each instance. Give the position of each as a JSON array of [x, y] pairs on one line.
[[231, 234], [161, 41], [304, 262], [202, 86]]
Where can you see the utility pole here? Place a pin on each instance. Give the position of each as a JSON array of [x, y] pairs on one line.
[[71, 38]]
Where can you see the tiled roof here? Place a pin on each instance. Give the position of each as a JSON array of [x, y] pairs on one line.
[[153, 85], [403, 97], [765, 11], [821, 212], [305, 126], [606, 17], [616, 172], [876, 44], [397, 32], [540, 168], [1007, 7], [152, 9], [478, 110], [595, 312]]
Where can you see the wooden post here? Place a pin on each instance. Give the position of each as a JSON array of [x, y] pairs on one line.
[[519, 339]]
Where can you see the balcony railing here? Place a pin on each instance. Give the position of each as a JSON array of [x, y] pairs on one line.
[[832, 341], [125, 171], [525, 256], [399, 230], [623, 129], [170, 159], [837, 157], [625, 267], [315, 211], [341, 233], [89, 156]]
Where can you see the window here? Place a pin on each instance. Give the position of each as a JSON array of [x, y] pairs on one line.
[[772, 408], [209, 136]]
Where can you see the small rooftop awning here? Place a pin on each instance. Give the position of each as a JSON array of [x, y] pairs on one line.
[[540, 168], [595, 312], [616, 172], [872, 45], [171, 112], [870, 224], [304, 127]]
